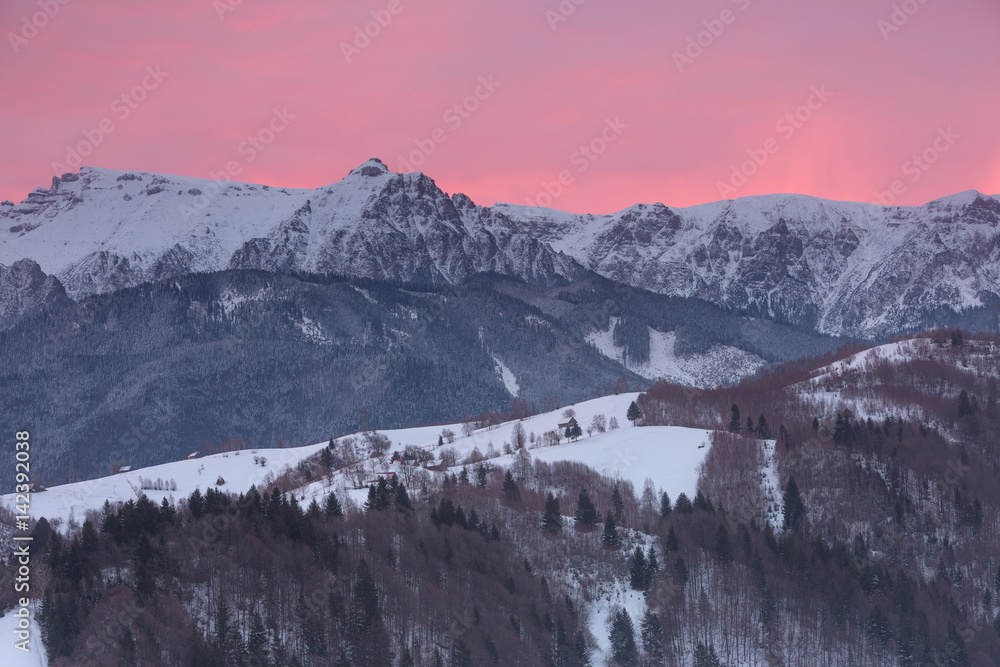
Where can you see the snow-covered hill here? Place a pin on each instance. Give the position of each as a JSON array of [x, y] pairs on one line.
[[838, 267], [669, 456]]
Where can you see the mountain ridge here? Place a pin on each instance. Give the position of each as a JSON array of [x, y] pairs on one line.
[[842, 268]]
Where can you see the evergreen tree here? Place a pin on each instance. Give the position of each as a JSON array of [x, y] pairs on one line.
[[510, 486], [401, 500], [610, 537], [633, 414], [326, 459], [586, 514], [333, 506], [701, 502], [196, 504], [705, 656], [637, 570], [461, 656], [763, 430], [723, 548], [734, 419], [583, 656], [367, 637], [665, 507], [671, 543], [314, 512], [683, 504], [964, 404], [257, 643], [481, 475], [794, 509], [652, 565], [652, 637], [617, 505], [750, 429], [552, 519], [623, 647]]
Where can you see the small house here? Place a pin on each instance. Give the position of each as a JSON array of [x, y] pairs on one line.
[[567, 424], [125, 469]]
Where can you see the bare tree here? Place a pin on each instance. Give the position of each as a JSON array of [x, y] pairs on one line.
[[518, 437]]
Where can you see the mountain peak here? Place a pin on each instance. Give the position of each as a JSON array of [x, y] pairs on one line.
[[373, 167]]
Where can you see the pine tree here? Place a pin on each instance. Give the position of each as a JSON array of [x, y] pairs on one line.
[[637, 570], [481, 475], [633, 414], [314, 512], [701, 502], [652, 637], [705, 656], [617, 505], [368, 640], [794, 509], [326, 459], [964, 404], [734, 419], [665, 507], [763, 430], [257, 641], [671, 543], [582, 650], [623, 647], [683, 504], [552, 519], [401, 500], [510, 486], [610, 537], [723, 548], [750, 430], [652, 565], [333, 507], [586, 514], [461, 656]]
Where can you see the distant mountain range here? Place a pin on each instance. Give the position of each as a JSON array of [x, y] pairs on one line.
[[142, 316], [847, 269]]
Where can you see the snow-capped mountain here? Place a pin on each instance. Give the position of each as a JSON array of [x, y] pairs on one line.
[[102, 230], [837, 267]]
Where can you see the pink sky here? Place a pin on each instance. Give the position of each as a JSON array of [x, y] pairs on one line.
[[930, 87]]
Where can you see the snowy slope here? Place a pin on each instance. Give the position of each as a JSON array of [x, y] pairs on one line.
[[696, 370], [838, 267], [13, 657], [670, 456], [68, 503]]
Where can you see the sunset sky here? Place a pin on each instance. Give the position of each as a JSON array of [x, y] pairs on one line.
[[673, 101]]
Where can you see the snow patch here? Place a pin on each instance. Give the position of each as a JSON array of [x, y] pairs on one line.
[[507, 377], [698, 370]]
